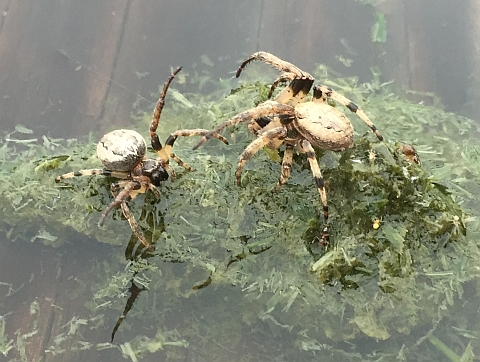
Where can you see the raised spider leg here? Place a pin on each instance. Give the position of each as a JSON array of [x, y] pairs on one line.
[[156, 145], [286, 166], [274, 61], [256, 145], [268, 108], [319, 91], [305, 147], [103, 172], [295, 92]]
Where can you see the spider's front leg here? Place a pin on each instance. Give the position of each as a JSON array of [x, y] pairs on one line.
[[286, 167], [155, 141], [285, 112], [301, 82]]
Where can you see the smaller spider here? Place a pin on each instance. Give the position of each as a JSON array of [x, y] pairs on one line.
[[123, 154], [411, 153], [290, 121]]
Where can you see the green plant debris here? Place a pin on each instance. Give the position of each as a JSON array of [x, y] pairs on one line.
[[379, 29], [255, 253]]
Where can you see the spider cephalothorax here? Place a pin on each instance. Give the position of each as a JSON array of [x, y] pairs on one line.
[[123, 154], [290, 121]]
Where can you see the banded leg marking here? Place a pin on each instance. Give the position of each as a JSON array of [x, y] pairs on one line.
[[255, 146], [156, 145], [286, 167], [103, 172], [306, 147]]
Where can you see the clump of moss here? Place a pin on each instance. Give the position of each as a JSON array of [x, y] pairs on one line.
[[370, 282]]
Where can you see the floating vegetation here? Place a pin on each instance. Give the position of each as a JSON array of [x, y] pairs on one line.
[[403, 246]]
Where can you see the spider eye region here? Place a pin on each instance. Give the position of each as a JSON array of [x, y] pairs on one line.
[[154, 171]]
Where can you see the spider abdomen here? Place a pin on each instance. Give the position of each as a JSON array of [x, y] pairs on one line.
[[324, 126], [121, 150]]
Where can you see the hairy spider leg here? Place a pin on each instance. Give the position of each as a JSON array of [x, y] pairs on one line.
[[286, 166], [130, 190], [134, 226], [103, 172], [265, 109], [294, 93], [187, 133], [165, 152], [318, 93], [305, 147], [275, 62], [128, 214], [155, 141], [256, 145]]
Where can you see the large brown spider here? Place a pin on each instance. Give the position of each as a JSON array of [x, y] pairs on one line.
[[123, 153], [286, 120]]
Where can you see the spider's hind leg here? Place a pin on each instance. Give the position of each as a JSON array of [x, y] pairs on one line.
[[320, 91], [274, 61], [301, 82], [265, 109]]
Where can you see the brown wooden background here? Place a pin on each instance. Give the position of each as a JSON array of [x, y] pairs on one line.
[[432, 45]]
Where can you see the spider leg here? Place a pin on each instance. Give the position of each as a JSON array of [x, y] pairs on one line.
[[296, 91], [103, 172], [305, 147], [274, 61], [284, 77], [156, 145], [155, 191], [285, 112], [126, 210], [318, 93], [256, 145], [286, 167], [133, 225], [130, 191], [186, 133]]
